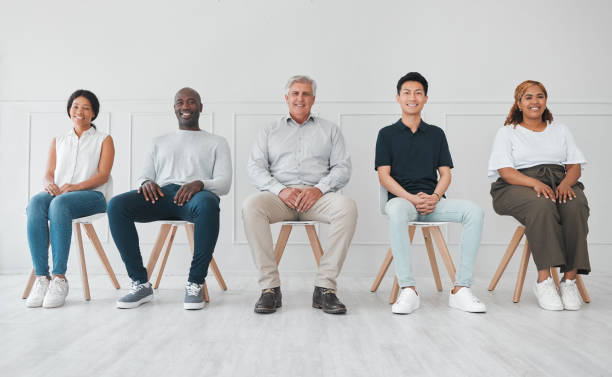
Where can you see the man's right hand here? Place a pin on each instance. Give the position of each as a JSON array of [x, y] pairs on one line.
[[151, 191], [289, 196], [52, 189]]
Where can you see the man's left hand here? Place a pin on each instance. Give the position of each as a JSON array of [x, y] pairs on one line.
[[187, 191], [307, 199], [428, 203]]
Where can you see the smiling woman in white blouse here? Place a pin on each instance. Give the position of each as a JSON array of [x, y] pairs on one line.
[[536, 164], [77, 183]]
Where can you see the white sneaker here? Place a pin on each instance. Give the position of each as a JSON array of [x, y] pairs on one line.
[[407, 302], [38, 292], [465, 300], [569, 295], [56, 295], [547, 295]]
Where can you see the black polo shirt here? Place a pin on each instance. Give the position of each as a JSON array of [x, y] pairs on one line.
[[414, 157]]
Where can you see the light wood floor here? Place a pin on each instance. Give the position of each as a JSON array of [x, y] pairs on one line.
[[228, 339]]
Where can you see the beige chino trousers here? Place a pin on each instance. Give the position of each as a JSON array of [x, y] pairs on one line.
[[264, 208]]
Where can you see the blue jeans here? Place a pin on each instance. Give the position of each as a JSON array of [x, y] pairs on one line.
[[401, 212], [50, 217], [130, 207]]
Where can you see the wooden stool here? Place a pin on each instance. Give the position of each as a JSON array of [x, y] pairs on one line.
[[313, 238], [91, 233], [166, 234], [429, 230], [518, 289]]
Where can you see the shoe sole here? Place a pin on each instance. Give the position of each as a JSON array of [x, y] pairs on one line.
[[132, 305], [267, 310], [329, 311], [51, 306], [467, 311], [193, 305], [403, 313]]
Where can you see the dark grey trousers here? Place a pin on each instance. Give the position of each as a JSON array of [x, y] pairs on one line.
[[557, 232]]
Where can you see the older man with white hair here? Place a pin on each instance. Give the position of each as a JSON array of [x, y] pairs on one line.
[[299, 163]]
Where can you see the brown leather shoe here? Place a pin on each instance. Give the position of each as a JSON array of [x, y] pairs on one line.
[[326, 299], [269, 300]]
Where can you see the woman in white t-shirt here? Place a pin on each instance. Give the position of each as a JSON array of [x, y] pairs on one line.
[[77, 183], [536, 164]]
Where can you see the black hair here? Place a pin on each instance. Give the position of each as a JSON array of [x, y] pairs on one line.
[[95, 104], [412, 76]]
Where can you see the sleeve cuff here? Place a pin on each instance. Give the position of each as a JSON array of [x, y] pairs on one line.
[[323, 187], [277, 188]]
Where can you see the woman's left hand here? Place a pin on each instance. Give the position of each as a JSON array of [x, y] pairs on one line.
[[564, 192], [67, 187]]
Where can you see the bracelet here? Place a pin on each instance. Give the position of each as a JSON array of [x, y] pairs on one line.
[[438, 195]]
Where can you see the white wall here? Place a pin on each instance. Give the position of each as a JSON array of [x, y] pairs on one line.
[[134, 55]]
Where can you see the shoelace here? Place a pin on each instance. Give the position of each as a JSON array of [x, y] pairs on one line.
[[549, 289], [38, 287], [58, 285], [193, 289], [268, 290], [328, 291], [570, 289], [135, 287]]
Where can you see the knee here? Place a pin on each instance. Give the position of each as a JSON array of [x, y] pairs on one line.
[[252, 206], [59, 208], [400, 210], [346, 208], [205, 204], [114, 206], [38, 205], [474, 213]]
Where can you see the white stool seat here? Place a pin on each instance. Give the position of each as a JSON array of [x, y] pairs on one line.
[[423, 223], [174, 222], [309, 222]]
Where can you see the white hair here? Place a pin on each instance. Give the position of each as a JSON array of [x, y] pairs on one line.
[[302, 79]]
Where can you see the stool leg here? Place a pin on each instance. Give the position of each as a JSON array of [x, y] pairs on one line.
[[443, 250], [206, 296], [582, 289], [162, 266], [28, 288], [164, 229], [77, 231], [432, 258], [554, 272], [382, 271], [283, 236], [317, 250], [518, 289], [91, 233], [394, 291], [512, 246], [217, 273]]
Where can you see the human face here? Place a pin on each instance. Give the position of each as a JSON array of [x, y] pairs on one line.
[[81, 112], [412, 98], [300, 100], [187, 108], [533, 103]]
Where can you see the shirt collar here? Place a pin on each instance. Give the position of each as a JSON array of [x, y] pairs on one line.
[[288, 119], [90, 131], [423, 127]]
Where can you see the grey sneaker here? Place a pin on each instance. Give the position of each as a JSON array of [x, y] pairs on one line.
[[194, 296], [139, 294]]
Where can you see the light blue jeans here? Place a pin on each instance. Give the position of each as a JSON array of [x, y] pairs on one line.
[[50, 217], [401, 212]]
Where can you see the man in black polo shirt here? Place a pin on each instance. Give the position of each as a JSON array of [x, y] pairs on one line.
[[410, 154]]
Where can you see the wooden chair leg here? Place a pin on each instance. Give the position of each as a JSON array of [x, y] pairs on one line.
[[443, 250], [382, 271], [206, 296], [77, 231], [164, 229], [283, 236], [28, 288], [162, 266], [582, 289], [317, 250], [554, 272], [394, 291], [512, 246], [520, 280], [411, 230], [432, 258], [91, 233], [217, 273]]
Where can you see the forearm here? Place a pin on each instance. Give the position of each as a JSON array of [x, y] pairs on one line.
[[395, 188], [97, 180], [48, 178], [442, 186], [514, 177], [572, 174]]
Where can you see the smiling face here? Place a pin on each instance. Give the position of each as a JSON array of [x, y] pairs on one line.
[[411, 98], [187, 107], [300, 99], [81, 112], [533, 103]]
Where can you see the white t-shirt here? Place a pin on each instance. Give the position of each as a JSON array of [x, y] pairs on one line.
[[519, 148], [77, 159]]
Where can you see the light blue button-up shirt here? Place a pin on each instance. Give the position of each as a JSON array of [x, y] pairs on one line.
[[287, 153]]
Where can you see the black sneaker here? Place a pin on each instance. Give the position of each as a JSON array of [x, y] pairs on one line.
[[269, 300], [326, 299]]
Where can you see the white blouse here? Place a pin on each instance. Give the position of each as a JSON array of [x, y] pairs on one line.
[[519, 148], [77, 159]]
